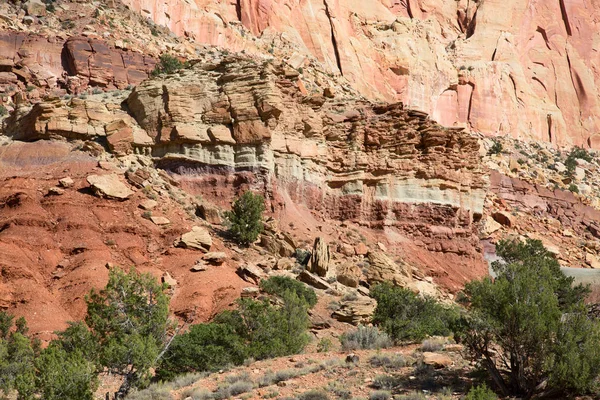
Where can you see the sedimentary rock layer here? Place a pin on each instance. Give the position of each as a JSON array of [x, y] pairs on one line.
[[526, 69]]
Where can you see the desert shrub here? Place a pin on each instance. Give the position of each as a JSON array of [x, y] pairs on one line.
[[576, 153], [405, 316], [3, 110], [62, 375], [380, 395], [245, 218], [272, 378], [156, 391], [533, 320], [339, 390], [481, 393], [256, 329], [412, 396], [365, 337], [186, 380], [313, 395], [269, 331], [167, 65], [205, 347], [233, 389], [573, 188], [433, 344], [278, 285], [324, 345], [496, 148], [392, 361], [386, 382], [197, 394], [17, 357]]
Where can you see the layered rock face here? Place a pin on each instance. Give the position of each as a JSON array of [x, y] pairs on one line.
[[235, 123], [526, 69], [74, 63]]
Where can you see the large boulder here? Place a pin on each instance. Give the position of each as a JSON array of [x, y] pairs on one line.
[[349, 274], [319, 262], [382, 269], [198, 238], [357, 311], [109, 186], [35, 8]]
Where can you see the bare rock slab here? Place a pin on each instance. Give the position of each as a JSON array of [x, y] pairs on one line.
[[109, 186]]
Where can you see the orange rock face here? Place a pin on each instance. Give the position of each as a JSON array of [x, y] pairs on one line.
[[527, 69]]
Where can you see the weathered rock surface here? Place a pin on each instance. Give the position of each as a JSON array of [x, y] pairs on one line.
[[526, 69], [357, 311], [75, 62], [320, 259], [198, 238], [344, 158], [109, 186], [384, 269], [436, 360]]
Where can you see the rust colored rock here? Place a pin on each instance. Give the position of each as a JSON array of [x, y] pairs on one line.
[[437, 360], [52, 62], [503, 218], [361, 249]]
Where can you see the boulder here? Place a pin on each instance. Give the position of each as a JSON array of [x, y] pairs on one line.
[[160, 220], [109, 186], [215, 257], [250, 273], [503, 218], [66, 182], [436, 360], [198, 238], [209, 213], [349, 274], [382, 268], [35, 8], [313, 280], [319, 262], [361, 249], [357, 311], [169, 280], [148, 204]]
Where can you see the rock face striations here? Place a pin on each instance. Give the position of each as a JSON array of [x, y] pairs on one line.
[[526, 69], [238, 122], [74, 63]]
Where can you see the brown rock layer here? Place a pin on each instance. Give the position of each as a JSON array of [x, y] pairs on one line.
[[74, 63]]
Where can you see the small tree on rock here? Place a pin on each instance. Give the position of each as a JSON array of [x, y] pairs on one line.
[[245, 217]]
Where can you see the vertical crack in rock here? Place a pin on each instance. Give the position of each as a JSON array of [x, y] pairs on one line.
[[238, 9], [472, 25], [565, 17], [333, 39], [549, 119], [409, 9]]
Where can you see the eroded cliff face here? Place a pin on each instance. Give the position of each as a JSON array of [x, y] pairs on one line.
[[522, 68], [234, 123]]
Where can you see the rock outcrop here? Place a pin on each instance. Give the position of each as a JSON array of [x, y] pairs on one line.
[[74, 63], [232, 123], [526, 69]]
